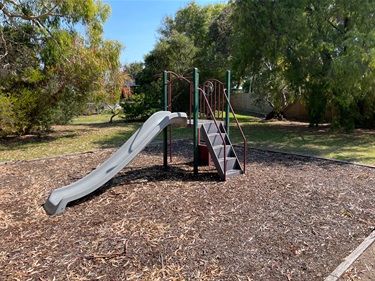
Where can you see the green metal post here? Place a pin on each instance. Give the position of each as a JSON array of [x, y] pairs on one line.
[[227, 104], [195, 118], [165, 131]]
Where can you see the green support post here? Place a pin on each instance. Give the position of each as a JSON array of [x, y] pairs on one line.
[[195, 119], [165, 131], [227, 104]]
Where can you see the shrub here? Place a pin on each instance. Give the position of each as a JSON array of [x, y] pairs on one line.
[[138, 108]]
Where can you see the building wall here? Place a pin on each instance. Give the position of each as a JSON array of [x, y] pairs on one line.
[[247, 102], [296, 111]]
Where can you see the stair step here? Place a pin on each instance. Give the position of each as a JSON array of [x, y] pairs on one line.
[[211, 128], [219, 151], [233, 172], [218, 142], [231, 163], [215, 139]]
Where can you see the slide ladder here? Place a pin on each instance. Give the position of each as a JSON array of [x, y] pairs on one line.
[[221, 150]]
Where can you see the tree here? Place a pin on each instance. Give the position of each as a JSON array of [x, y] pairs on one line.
[[322, 52], [43, 18], [49, 70], [218, 56], [184, 43], [176, 53], [134, 69], [191, 26]]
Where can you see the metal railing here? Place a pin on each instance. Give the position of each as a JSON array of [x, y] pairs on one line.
[[218, 129], [240, 129]]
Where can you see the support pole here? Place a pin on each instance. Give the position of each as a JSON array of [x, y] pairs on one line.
[[195, 119], [165, 131], [169, 106], [227, 103]]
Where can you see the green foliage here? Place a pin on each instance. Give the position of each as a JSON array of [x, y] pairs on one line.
[[186, 41], [316, 104], [67, 107], [217, 57], [23, 110], [7, 115], [134, 69], [176, 53], [139, 108], [50, 71], [323, 51]]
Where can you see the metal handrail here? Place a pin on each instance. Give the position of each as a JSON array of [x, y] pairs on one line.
[[241, 131], [170, 81], [218, 129]]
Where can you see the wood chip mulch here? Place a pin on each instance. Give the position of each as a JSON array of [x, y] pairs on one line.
[[288, 218]]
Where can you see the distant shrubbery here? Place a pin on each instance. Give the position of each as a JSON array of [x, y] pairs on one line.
[[139, 108]]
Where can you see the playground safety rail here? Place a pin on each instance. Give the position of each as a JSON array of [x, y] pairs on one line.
[[240, 129], [218, 129], [221, 136]]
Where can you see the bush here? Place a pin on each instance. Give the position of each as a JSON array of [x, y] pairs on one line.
[[25, 112], [7, 115], [67, 107], [139, 108]]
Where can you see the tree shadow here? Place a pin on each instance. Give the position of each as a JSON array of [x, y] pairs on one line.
[[157, 173], [183, 172], [117, 140], [316, 141], [113, 124], [20, 142]]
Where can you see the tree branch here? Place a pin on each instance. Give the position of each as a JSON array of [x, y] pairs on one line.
[[25, 17], [334, 26], [5, 45]]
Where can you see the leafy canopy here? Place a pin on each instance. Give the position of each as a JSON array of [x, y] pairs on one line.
[[321, 52], [49, 70]]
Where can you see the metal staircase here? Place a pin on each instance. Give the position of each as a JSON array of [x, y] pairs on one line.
[[221, 150]]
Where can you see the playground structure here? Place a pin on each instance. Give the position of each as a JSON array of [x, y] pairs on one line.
[[208, 115]]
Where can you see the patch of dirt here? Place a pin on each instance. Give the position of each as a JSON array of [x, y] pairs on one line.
[[288, 218]]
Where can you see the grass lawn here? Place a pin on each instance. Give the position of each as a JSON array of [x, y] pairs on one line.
[[298, 137], [95, 132]]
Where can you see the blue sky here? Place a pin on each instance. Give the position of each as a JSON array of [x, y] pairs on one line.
[[135, 22]]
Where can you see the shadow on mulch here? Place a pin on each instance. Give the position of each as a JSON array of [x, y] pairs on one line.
[[288, 218], [153, 174], [207, 174]]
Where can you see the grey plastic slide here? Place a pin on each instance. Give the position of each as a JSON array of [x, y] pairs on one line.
[[59, 198]]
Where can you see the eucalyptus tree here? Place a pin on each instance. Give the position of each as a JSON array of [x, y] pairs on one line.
[[192, 25], [321, 52], [183, 44], [53, 58], [134, 69]]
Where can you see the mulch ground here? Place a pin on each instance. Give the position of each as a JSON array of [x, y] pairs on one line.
[[287, 218]]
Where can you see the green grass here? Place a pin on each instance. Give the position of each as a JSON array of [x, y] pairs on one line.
[[83, 134], [298, 137], [94, 132]]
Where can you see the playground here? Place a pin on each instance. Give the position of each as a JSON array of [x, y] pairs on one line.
[[287, 218], [136, 214]]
